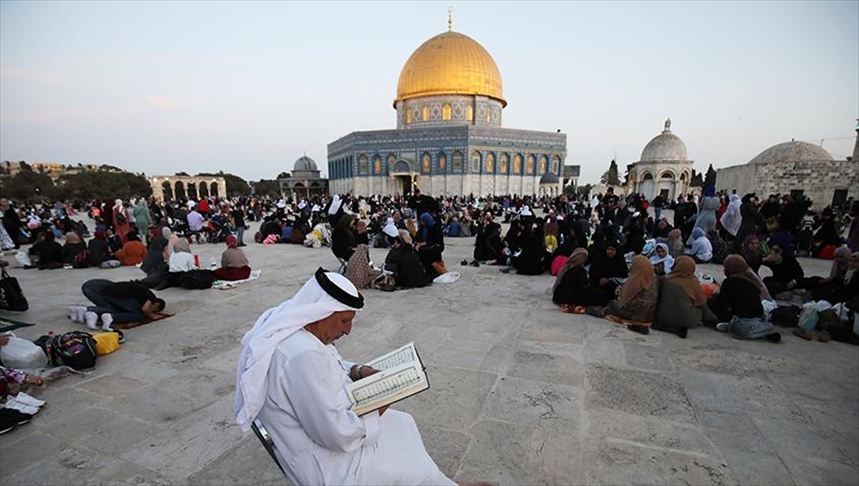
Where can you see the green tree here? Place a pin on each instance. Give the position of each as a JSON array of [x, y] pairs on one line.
[[584, 190], [103, 185], [610, 177], [266, 187], [710, 178], [28, 185]]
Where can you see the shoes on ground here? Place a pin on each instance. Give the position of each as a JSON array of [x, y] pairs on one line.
[[14, 416], [639, 329], [723, 326], [475, 263], [682, 332], [773, 337], [6, 425], [106, 321], [90, 319], [29, 400], [464, 263], [824, 337], [14, 404]]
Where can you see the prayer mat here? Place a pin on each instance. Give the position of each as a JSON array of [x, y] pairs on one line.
[[129, 325], [626, 322], [229, 284], [573, 309], [10, 324]]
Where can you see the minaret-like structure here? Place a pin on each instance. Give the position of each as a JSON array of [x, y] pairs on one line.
[[856, 147]]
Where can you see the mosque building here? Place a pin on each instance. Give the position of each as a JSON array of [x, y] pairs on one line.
[[797, 168], [304, 181], [664, 167], [449, 139]]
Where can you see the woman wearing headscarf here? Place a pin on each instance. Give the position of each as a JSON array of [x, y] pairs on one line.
[[72, 247], [719, 245], [142, 216], [121, 220], [636, 304], [702, 249], [608, 268], [841, 285], [786, 270], [234, 262], [534, 259], [738, 303], [172, 238], [404, 261], [133, 251], [343, 238], [154, 265], [750, 220], [751, 252], [358, 269], [681, 300], [429, 241], [99, 251], [675, 243], [572, 286], [662, 260]]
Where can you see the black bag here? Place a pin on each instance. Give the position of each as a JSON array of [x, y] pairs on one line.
[[11, 296], [81, 259], [120, 217], [785, 316], [197, 279], [75, 349]]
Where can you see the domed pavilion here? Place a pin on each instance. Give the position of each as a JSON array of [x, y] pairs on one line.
[[304, 180], [797, 168], [664, 167], [449, 139]]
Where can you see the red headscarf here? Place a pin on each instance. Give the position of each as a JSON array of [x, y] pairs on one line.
[[232, 242]]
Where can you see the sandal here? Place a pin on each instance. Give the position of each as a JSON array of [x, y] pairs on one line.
[[824, 337], [804, 334]]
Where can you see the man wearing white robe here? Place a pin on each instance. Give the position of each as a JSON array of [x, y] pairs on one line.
[[293, 380]]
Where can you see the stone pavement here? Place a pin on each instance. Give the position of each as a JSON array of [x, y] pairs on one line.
[[521, 393]]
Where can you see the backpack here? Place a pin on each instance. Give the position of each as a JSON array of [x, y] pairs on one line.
[[76, 349], [81, 259], [120, 217], [197, 279]]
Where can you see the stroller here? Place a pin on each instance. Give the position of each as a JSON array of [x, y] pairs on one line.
[[216, 233]]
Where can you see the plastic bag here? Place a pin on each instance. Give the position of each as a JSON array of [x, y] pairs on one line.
[[808, 317], [449, 277], [22, 354], [23, 258], [768, 306]]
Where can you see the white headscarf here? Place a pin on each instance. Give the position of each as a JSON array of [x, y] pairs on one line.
[[731, 220], [117, 204], [667, 262], [390, 228], [335, 204], [310, 304]]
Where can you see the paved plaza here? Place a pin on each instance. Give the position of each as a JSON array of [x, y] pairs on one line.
[[521, 393]]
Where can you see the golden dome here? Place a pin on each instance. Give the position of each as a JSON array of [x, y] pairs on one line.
[[450, 63]]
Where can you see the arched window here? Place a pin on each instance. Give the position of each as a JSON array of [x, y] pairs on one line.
[[204, 189], [425, 113], [363, 164], [505, 162], [544, 163], [391, 159], [377, 164], [469, 113], [408, 116], [556, 164], [167, 190], [442, 162], [445, 111], [667, 175], [426, 163], [488, 114], [213, 189], [517, 164], [457, 162], [475, 161], [192, 191], [180, 191], [529, 165], [647, 176], [490, 163]]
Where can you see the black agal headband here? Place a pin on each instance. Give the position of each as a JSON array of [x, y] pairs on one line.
[[338, 293]]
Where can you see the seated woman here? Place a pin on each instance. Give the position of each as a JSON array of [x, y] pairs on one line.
[[738, 303], [362, 236], [682, 301], [234, 262], [343, 238], [99, 252], [300, 231], [752, 252], [661, 260], [702, 249], [844, 285], [608, 269], [133, 251], [358, 270], [573, 288], [154, 265], [47, 251], [72, 247], [430, 245], [405, 263], [786, 270], [180, 262], [676, 248], [534, 259], [635, 306], [720, 246], [113, 241]]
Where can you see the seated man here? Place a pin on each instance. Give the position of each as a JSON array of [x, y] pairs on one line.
[[117, 302], [293, 380]]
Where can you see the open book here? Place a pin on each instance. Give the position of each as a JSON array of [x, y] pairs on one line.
[[401, 375]]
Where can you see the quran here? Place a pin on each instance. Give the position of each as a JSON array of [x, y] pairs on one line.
[[401, 375]]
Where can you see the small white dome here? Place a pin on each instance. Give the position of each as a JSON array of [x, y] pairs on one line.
[[305, 163], [665, 146]]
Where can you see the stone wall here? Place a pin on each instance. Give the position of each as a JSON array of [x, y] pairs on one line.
[[817, 179]]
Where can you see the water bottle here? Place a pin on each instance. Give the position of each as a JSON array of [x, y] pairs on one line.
[[213, 264]]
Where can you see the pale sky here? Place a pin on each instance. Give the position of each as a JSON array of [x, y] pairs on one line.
[[163, 87]]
